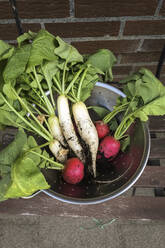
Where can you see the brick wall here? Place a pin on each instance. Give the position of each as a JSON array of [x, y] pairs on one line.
[[134, 30]]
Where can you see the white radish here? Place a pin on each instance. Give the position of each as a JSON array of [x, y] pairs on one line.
[[68, 128], [56, 130], [86, 130], [58, 151]]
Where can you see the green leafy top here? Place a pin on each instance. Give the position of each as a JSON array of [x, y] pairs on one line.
[[145, 96], [19, 169], [67, 52], [20, 164], [104, 60], [6, 50], [17, 63]]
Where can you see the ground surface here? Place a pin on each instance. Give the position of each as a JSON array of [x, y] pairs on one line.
[[68, 232]]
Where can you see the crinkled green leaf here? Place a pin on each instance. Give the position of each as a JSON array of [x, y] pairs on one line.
[[7, 156], [103, 59], [26, 37], [67, 52], [148, 91], [45, 163], [148, 76], [145, 96], [4, 169], [21, 173], [88, 83], [113, 124], [4, 185], [17, 63], [7, 89], [6, 50], [101, 111], [49, 69], [42, 49], [31, 143], [132, 77], [2, 67], [155, 107], [12, 151], [7, 116], [26, 179]]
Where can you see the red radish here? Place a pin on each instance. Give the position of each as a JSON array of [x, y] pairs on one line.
[[102, 129], [109, 147], [73, 171]]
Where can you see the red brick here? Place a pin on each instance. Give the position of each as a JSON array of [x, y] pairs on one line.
[[9, 31], [84, 29], [43, 9], [121, 70], [5, 10], [145, 27], [36, 9], [140, 57], [153, 45], [97, 8], [116, 46]]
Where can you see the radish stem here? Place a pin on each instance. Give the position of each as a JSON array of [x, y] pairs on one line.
[[63, 77], [38, 147], [80, 84], [57, 83], [73, 81], [59, 166], [39, 105], [47, 102], [112, 114], [30, 112], [50, 91], [25, 121]]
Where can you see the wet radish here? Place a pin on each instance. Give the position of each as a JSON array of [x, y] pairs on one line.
[[109, 147], [73, 171], [102, 129]]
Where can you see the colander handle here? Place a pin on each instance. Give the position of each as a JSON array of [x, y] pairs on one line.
[[33, 195]]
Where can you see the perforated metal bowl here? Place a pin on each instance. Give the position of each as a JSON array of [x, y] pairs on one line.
[[117, 177]]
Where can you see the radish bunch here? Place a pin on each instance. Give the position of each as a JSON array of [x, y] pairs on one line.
[[45, 92]]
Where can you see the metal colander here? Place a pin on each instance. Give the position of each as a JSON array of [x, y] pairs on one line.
[[117, 176]]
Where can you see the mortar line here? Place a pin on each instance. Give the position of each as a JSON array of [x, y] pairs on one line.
[[72, 8], [159, 6], [121, 30], [136, 64], [42, 25], [125, 75], [109, 38], [73, 19], [140, 45], [119, 57]]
